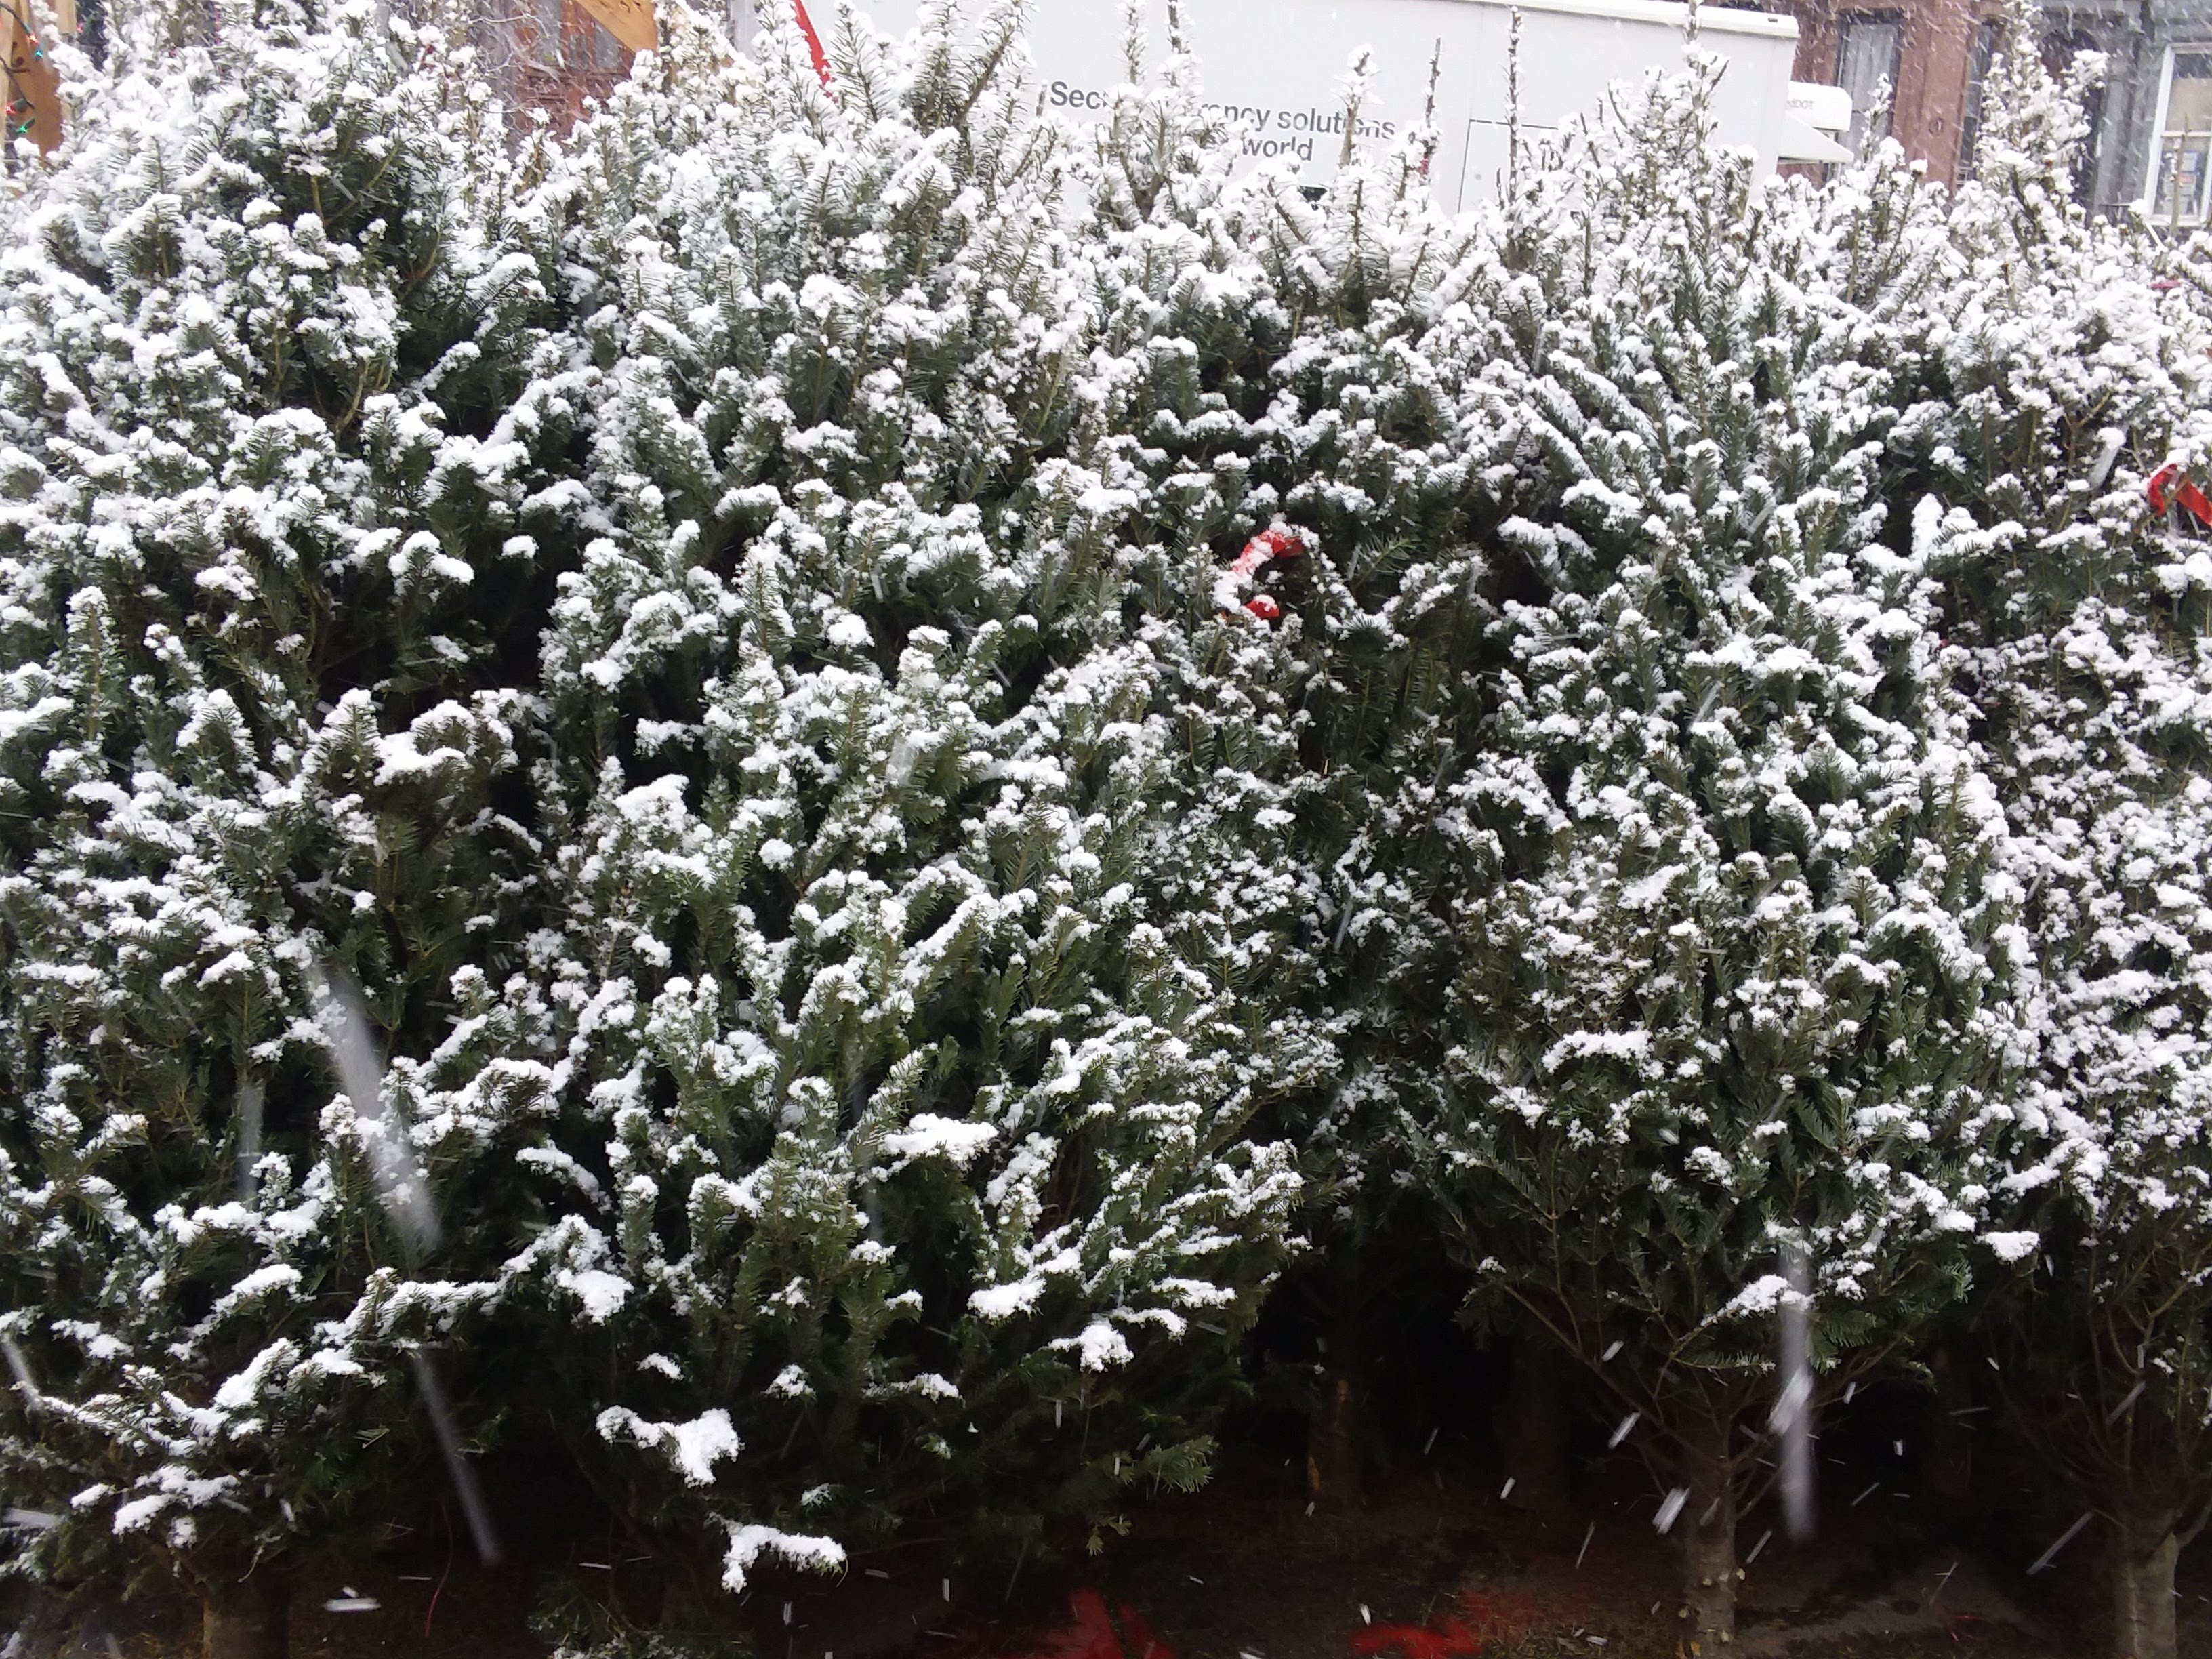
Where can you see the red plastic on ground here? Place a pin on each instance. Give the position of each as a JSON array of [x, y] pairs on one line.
[[1481, 1618], [1092, 1633]]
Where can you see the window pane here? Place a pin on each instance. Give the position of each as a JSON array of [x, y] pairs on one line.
[[1867, 69], [2181, 179], [1978, 75], [2188, 105], [548, 33]]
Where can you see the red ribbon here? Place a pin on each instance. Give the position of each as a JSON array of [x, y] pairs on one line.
[[2167, 485], [813, 41]]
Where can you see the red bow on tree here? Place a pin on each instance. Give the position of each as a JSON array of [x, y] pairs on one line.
[[1277, 541], [2167, 485]]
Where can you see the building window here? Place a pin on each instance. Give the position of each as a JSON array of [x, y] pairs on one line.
[[1978, 74], [2184, 163], [1866, 67]]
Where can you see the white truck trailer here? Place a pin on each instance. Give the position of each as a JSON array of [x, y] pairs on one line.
[[1277, 65]]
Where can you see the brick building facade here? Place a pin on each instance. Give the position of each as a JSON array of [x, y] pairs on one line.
[[2150, 141], [552, 56], [1933, 54]]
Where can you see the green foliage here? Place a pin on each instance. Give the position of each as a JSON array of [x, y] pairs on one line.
[[2064, 379], [1731, 943], [252, 734], [916, 893]]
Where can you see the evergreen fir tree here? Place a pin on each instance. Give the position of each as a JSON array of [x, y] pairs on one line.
[[259, 330], [2060, 381], [1333, 380], [1732, 924], [724, 630], [919, 882]]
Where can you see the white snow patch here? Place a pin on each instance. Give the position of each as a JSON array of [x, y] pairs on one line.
[[1104, 1346], [1004, 1301], [693, 1447], [929, 1135], [748, 1543], [601, 1293]]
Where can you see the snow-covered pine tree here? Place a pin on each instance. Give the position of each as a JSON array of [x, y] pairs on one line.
[[1324, 383], [260, 330], [1732, 962], [2059, 382], [920, 873], [1360, 413]]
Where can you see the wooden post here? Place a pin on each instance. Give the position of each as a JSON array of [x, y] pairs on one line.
[[34, 96]]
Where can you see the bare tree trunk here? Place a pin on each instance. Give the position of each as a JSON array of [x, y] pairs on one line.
[[1333, 1437], [1532, 1428], [245, 1619], [2142, 1587], [1948, 1477], [1708, 1524]]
